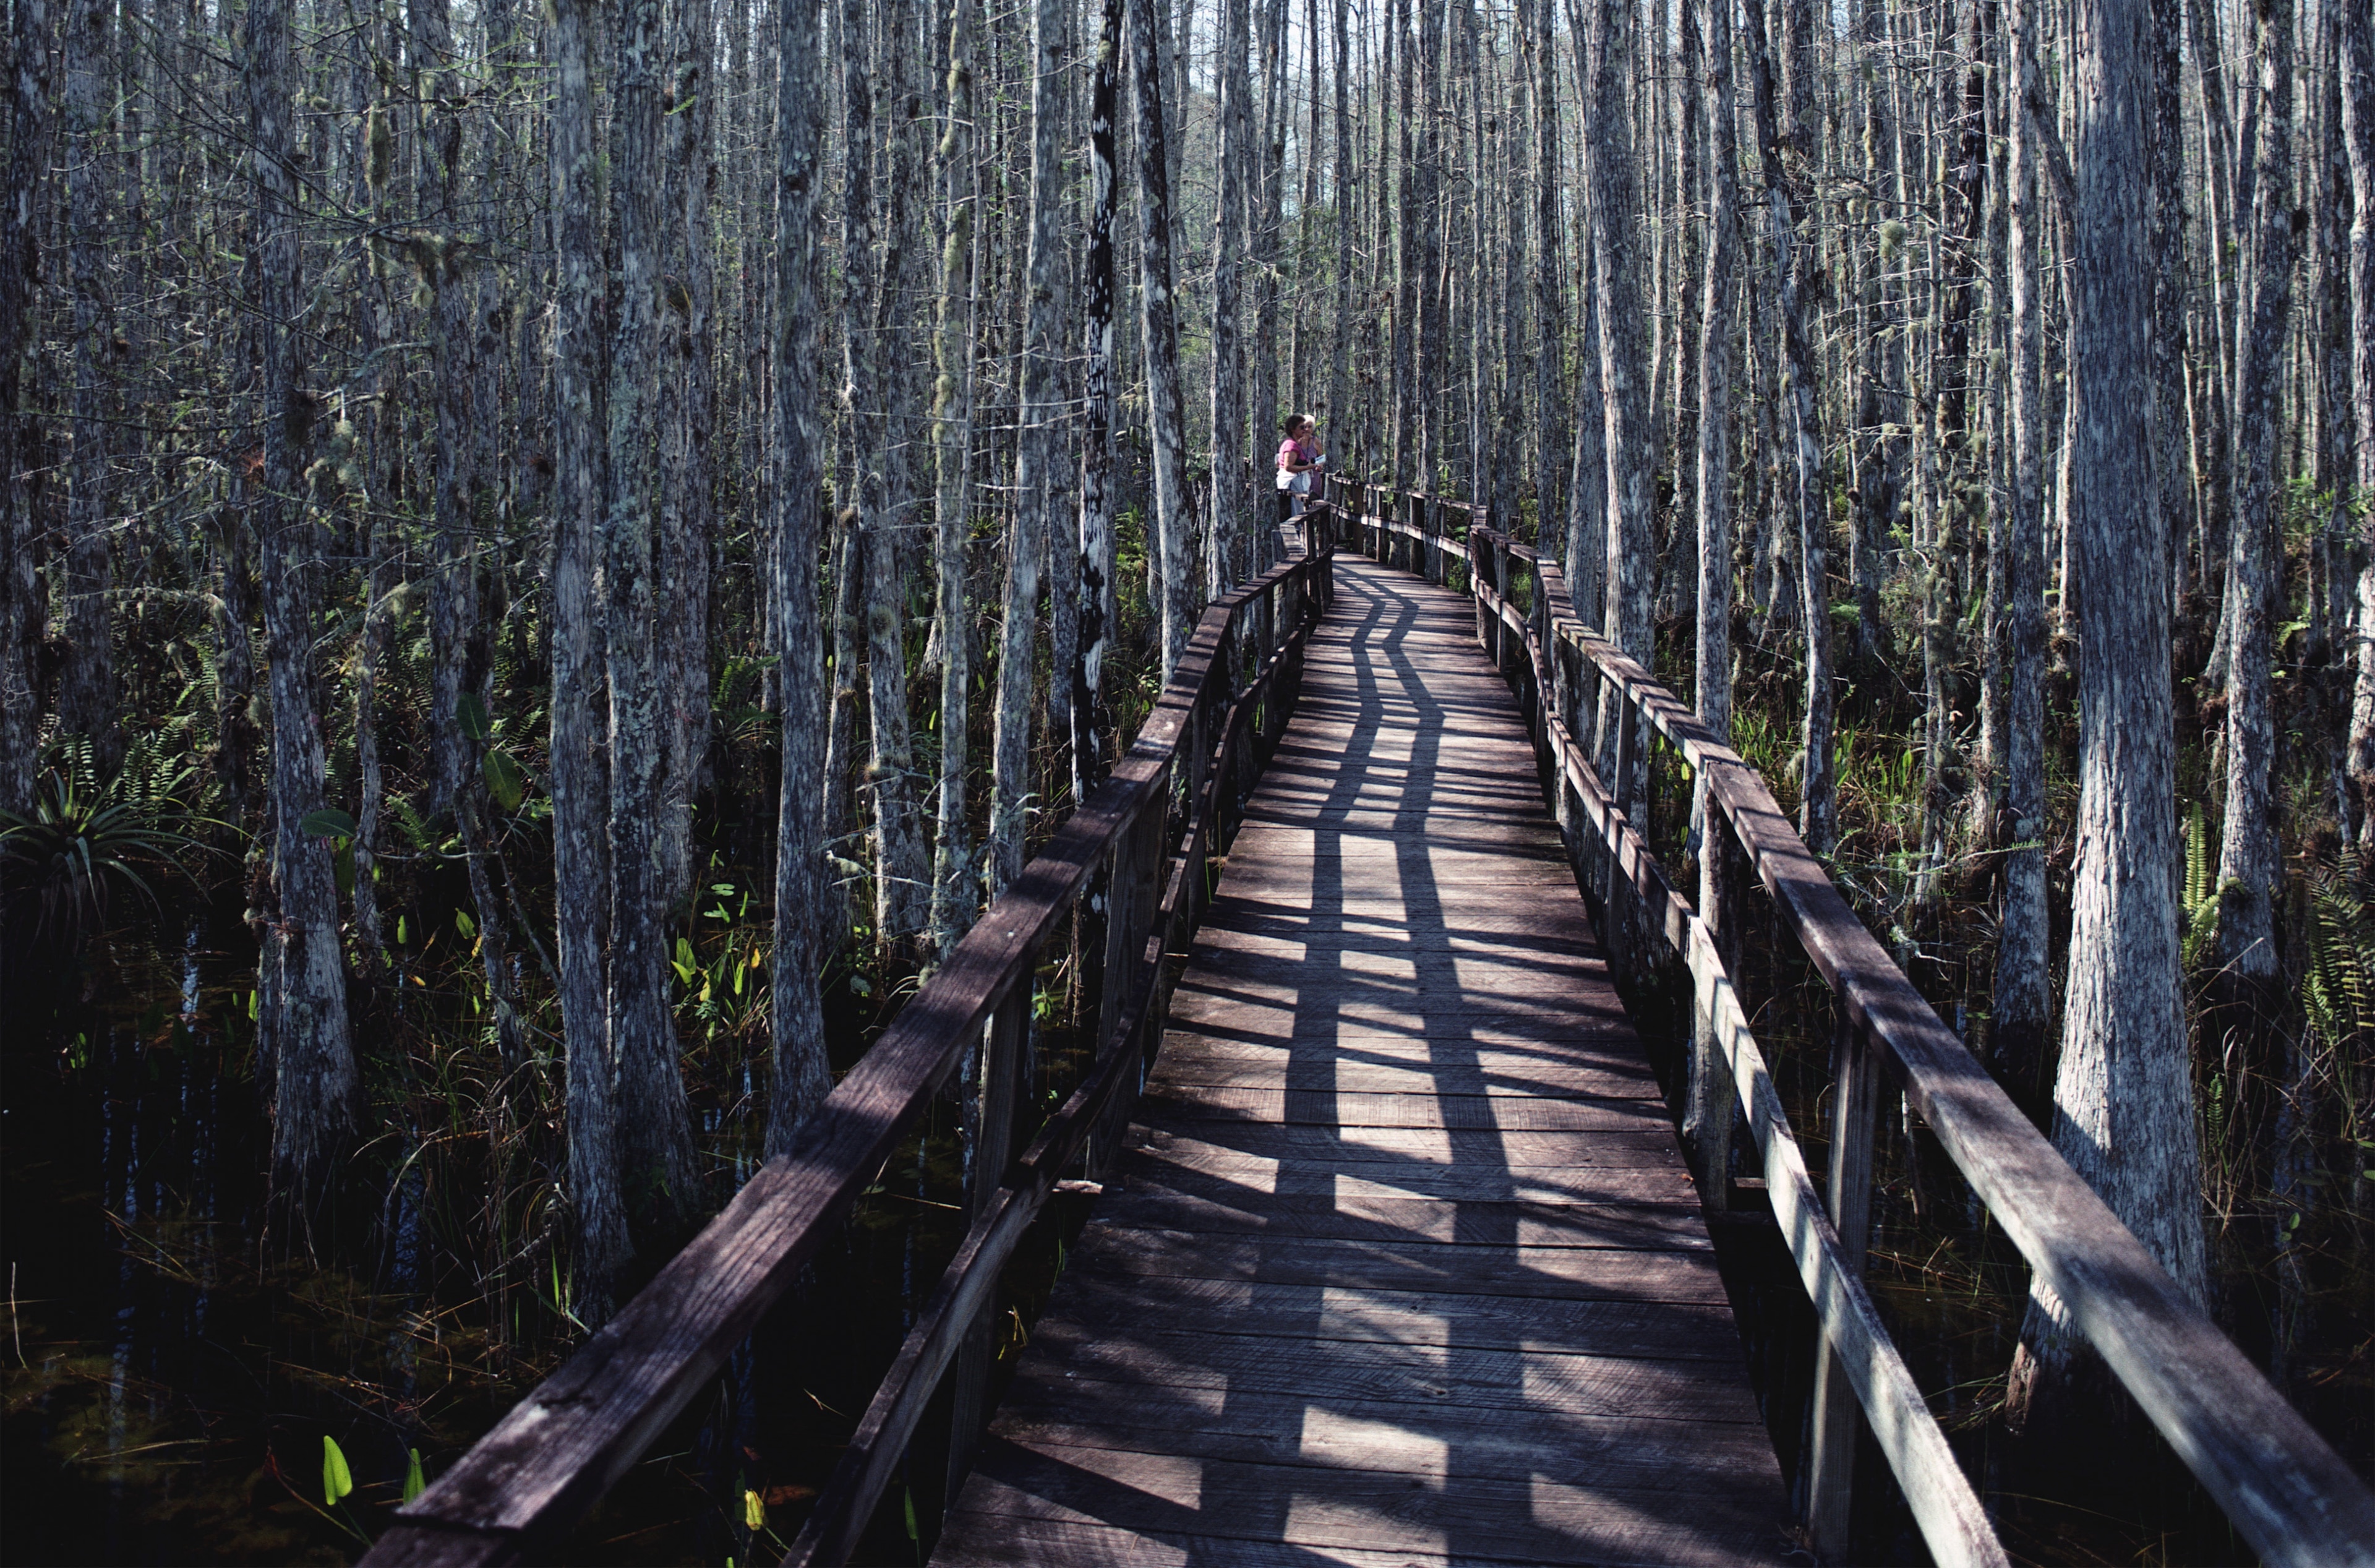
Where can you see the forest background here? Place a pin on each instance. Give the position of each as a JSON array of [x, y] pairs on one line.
[[552, 561]]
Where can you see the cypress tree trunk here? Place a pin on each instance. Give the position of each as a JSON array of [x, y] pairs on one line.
[[1818, 781], [2358, 61], [1711, 1087], [21, 610], [2017, 1032], [580, 772], [1037, 467], [1224, 547], [1097, 599], [655, 1144], [687, 478], [801, 1077], [316, 1092], [901, 874], [2123, 1112], [86, 678], [954, 890], [1552, 418], [1345, 177], [1624, 369], [2247, 869], [1264, 199], [1159, 333]]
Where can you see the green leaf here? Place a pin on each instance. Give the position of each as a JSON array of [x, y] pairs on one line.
[[686, 965], [465, 925], [754, 1510], [402, 930], [342, 866], [473, 716], [914, 1531], [336, 1479], [505, 781], [415, 1483], [329, 823]]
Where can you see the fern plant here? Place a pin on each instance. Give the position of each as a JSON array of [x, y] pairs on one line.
[[2199, 896]]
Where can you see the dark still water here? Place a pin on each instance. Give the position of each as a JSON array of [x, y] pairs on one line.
[[169, 1369]]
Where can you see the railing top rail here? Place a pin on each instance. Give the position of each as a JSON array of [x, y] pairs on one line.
[[569, 1439], [2280, 1481]]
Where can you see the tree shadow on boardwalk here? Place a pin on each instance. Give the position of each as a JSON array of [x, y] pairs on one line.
[[1403, 1266]]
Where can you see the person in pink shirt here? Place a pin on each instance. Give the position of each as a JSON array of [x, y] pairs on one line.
[[1299, 461]]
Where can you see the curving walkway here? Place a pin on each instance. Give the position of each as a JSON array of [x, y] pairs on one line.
[[1403, 1267]]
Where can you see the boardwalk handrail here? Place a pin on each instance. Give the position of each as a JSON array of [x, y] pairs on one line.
[[2283, 1487], [1150, 828]]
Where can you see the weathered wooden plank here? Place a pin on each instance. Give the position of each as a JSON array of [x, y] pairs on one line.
[[1483, 1377], [1101, 1305], [1556, 1273], [1174, 1103], [1187, 1160], [1359, 1217], [1332, 1509], [1408, 1149], [1494, 1074], [1617, 1453], [998, 1540]]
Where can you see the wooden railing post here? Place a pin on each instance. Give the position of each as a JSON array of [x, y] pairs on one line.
[[1617, 886], [1833, 1416], [998, 1092], [1713, 1098]]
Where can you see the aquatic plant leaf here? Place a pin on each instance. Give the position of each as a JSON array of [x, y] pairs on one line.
[[329, 822], [472, 714], [415, 1483], [754, 1510], [505, 781], [336, 1479], [465, 925]]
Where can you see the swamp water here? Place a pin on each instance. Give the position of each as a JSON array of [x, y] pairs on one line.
[[168, 1373]]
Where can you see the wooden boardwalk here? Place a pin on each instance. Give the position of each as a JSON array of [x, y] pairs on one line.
[[1403, 1267]]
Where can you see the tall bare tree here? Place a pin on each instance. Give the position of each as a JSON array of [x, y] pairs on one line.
[[2123, 1110], [801, 1077], [316, 1092]]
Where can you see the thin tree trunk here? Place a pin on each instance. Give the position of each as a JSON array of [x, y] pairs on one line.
[[1035, 467], [2357, 54], [1344, 178], [580, 772], [1552, 415], [901, 875], [1818, 781], [1711, 1087], [801, 1077], [1223, 547], [1159, 332], [1098, 607], [316, 1092], [954, 889], [2124, 1097], [21, 610], [2023, 995], [655, 1144], [87, 680], [688, 504], [1624, 370], [2247, 865]]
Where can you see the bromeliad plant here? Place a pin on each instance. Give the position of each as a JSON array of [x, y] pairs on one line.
[[87, 842]]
